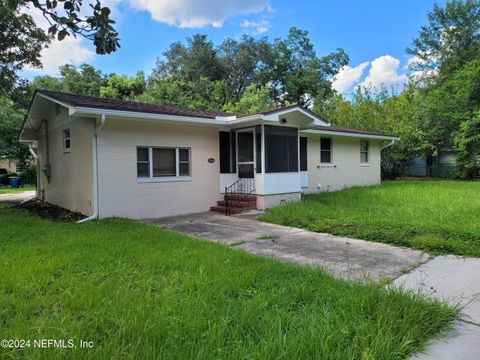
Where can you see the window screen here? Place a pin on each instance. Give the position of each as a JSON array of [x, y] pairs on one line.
[[163, 162], [303, 154], [364, 149], [66, 139], [143, 162], [225, 152], [184, 162], [326, 150], [281, 149]]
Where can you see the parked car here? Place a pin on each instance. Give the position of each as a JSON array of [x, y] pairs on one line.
[[3, 177]]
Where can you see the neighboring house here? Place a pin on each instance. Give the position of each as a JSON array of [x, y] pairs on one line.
[[105, 157], [443, 166], [9, 165]]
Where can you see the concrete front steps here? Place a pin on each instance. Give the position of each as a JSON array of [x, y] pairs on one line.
[[248, 203]]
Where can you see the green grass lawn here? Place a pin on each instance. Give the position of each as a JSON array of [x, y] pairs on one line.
[[8, 190], [436, 216], [141, 292]]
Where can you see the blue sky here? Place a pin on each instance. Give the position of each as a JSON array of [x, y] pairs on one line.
[[373, 33]]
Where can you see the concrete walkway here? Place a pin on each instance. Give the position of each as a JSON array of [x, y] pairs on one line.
[[456, 280], [17, 197], [343, 257]]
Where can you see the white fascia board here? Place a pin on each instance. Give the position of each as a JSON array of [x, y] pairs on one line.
[[345, 134], [317, 120], [148, 116], [70, 108], [245, 119]]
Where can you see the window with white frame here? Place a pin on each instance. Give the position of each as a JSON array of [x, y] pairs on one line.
[[163, 162], [66, 139], [364, 151], [326, 150]]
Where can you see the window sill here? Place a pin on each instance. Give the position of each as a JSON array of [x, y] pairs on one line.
[[164, 179], [365, 165], [326, 165], [66, 152]]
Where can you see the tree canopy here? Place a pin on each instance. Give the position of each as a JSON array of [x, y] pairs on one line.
[[438, 111]]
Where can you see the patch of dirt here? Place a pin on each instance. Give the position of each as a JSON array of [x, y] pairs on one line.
[[48, 211]]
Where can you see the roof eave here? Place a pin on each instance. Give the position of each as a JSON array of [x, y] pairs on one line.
[[85, 111], [348, 134]]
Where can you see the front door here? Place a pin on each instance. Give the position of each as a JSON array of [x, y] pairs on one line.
[[246, 153]]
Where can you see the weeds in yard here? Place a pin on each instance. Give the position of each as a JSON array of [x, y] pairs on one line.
[[440, 217], [138, 291]]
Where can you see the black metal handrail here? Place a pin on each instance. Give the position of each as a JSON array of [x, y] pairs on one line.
[[237, 192]]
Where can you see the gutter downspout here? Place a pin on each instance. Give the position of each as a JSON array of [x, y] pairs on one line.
[[95, 172], [35, 156], [388, 145]]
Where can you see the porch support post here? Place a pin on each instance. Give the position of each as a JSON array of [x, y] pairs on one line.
[[263, 148], [298, 146]]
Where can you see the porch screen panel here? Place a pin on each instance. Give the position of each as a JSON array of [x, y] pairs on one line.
[[225, 154], [281, 149], [233, 151], [258, 145], [245, 147], [303, 154]]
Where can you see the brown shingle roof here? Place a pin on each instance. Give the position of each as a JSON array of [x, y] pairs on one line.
[[123, 105], [335, 128]]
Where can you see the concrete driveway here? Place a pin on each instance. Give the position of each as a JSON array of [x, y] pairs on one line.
[[342, 257], [457, 281], [17, 197]]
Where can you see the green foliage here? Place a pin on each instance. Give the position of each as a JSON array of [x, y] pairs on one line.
[[123, 87], [200, 94], [11, 120], [467, 143], [436, 216], [450, 39], [245, 62], [254, 100], [65, 20], [382, 111], [195, 61], [84, 80], [138, 291], [298, 75], [20, 44], [289, 68]]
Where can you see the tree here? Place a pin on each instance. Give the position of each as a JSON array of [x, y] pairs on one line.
[[64, 18], [201, 94], [20, 44], [253, 100], [298, 75], [467, 143], [245, 62], [450, 40], [191, 62], [11, 120], [382, 111], [123, 87], [84, 80]]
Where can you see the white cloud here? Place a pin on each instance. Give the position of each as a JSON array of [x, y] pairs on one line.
[[198, 13], [384, 71], [71, 50], [348, 76], [68, 51], [256, 27]]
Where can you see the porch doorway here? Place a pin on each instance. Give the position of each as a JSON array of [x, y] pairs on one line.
[[246, 153]]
